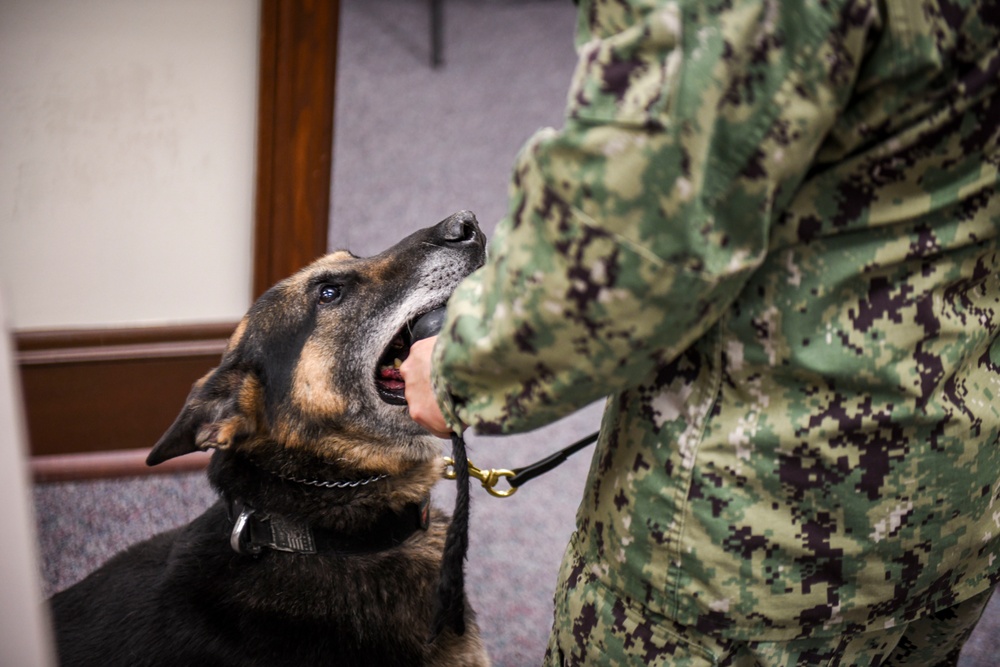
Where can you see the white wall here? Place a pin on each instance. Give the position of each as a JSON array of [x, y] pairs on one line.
[[127, 144], [25, 636]]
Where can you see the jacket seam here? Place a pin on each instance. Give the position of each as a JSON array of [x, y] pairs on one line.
[[682, 502]]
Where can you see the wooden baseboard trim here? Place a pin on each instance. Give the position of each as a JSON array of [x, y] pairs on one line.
[[197, 348], [103, 465], [103, 390], [27, 340]]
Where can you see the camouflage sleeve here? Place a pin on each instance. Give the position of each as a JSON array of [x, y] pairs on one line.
[[632, 229]]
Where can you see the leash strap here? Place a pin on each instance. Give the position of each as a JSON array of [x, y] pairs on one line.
[[530, 472], [450, 604], [491, 477], [449, 607]]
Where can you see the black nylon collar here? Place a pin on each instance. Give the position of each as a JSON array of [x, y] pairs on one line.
[[254, 531]]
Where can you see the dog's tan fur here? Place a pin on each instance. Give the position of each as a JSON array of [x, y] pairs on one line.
[[296, 397]]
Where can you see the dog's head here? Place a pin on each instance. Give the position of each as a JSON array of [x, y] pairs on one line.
[[312, 366]]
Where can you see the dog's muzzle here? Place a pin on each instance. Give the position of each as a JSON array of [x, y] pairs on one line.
[[459, 233]]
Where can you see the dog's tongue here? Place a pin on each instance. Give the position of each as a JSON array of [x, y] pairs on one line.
[[391, 377]]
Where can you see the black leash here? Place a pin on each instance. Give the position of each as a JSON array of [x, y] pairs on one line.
[[530, 472], [490, 478], [450, 604], [449, 607]]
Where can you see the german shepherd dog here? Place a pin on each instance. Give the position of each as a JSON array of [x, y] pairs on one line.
[[322, 549]]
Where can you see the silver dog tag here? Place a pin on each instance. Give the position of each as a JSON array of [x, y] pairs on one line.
[[290, 536]]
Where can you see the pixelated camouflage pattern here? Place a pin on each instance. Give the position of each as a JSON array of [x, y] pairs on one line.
[[614, 632], [768, 231]]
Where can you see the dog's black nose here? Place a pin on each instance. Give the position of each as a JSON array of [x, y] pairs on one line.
[[462, 227]]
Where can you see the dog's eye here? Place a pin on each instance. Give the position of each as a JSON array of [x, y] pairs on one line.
[[329, 294]]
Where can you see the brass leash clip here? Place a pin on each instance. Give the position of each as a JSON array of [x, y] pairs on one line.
[[515, 478], [489, 478]]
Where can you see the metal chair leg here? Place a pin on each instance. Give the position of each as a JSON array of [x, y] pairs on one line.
[[437, 29]]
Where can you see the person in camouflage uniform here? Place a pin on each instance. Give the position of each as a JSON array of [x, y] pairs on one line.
[[768, 231]]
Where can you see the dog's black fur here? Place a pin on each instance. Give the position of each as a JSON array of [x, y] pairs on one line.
[[303, 396]]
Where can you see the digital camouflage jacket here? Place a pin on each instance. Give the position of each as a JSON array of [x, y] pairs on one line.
[[768, 232]]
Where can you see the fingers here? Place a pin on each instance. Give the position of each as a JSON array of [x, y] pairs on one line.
[[420, 398]]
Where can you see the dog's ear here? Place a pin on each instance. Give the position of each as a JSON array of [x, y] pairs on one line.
[[221, 408]]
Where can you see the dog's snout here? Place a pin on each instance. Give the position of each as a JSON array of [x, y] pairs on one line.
[[460, 228]]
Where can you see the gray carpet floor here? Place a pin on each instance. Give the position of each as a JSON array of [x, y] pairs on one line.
[[414, 144]]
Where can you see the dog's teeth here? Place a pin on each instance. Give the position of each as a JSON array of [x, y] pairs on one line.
[[396, 363]]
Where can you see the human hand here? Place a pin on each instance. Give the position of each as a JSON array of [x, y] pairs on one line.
[[420, 398]]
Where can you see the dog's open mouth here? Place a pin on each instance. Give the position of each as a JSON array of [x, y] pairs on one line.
[[388, 380]]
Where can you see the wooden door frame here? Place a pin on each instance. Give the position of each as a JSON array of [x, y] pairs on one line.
[[298, 68], [97, 399]]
